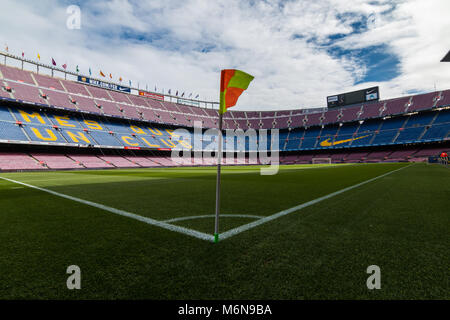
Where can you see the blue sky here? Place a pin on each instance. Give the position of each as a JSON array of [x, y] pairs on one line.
[[299, 51], [381, 64]]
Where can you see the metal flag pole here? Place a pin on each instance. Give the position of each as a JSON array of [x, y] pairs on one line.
[[219, 162], [232, 83]]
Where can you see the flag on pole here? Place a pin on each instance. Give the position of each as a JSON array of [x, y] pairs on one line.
[[23, 54], [39, 57], [53, 62], [169, 91], [64, 66], [197, 96], [77, 69], [120, 79], [110, 76], [232, 84], [102, 74], [129, 82], [6, 48], [90, 71]]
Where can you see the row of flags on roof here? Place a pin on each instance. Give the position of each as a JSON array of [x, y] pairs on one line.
[[181, 94], [102, 74]]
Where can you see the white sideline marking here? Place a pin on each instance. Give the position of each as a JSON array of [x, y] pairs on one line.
[[189, 232], [277, 215], [213, 216]]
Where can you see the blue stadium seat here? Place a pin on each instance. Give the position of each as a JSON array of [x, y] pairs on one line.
[[385, 137], [420, 119], [96, 130], [443, 117], [347, 130], [43, 133], [410, 135], [104, 138], [64, 121], [118, 127], [77, 136], [393, 123], [327, 134], [437, 132], [369, 126], [5, 114], [310, 138], [362, 139], [308, 143], [31, 116], [11, 131], [293, 144]]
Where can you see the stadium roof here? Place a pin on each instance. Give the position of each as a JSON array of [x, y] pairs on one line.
[[446, 58]]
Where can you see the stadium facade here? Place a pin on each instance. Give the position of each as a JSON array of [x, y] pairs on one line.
[[51, 123]]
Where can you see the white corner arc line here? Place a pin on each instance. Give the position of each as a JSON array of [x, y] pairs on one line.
[[212, 216], [277, 215], [189, 232]]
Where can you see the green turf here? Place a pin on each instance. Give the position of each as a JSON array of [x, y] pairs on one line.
[[399, 222]]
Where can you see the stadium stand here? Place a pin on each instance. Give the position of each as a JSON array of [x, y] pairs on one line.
[[119, 162], [19, 161], [90, 161], [56, 161], [37, 110]]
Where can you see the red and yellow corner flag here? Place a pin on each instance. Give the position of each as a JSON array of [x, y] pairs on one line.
[[232, 83]]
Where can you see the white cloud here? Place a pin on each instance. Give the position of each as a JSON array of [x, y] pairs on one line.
[[282, 43]]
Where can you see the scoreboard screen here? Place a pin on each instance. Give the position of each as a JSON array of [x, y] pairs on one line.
[[354, 97]]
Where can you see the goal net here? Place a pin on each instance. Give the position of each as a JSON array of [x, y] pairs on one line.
[[438, 159], [321, 161]]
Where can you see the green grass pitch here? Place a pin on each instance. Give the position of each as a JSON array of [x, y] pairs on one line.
[[399, 222]]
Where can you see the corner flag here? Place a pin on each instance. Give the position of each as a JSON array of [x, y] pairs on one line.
[[232, 84]]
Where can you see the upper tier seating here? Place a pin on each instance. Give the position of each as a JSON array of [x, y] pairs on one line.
[[48, 82], [16, 74]]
